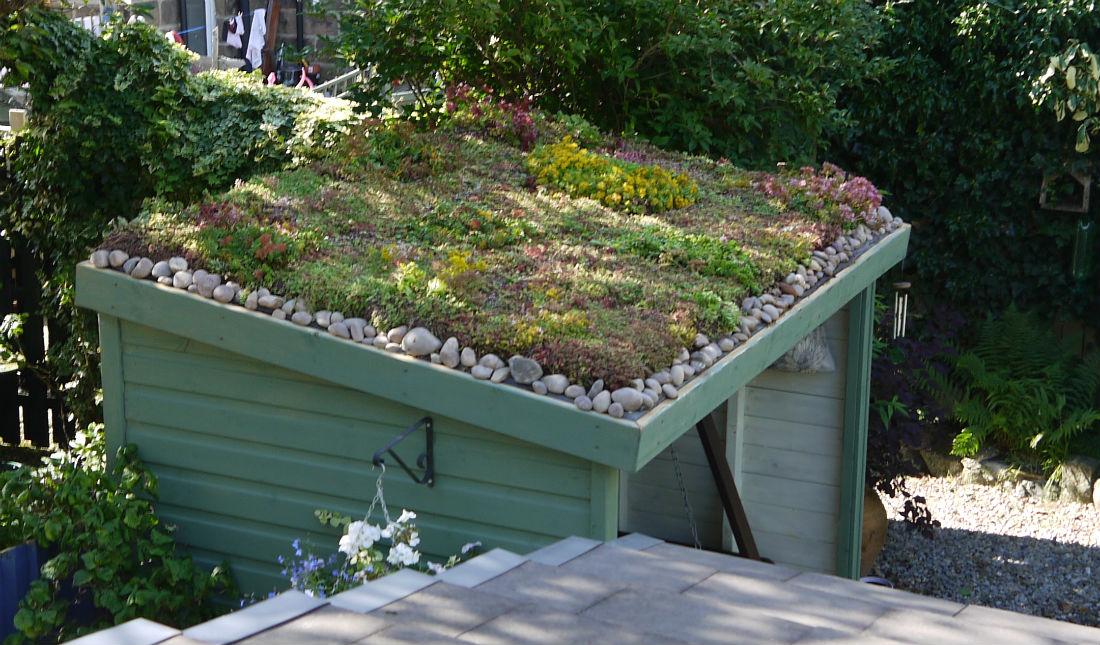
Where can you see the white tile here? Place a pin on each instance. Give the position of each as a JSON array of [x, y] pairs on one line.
[[254, 618], [636, 541], [484, 567], [138, 631], [383, 591], [563, 551]]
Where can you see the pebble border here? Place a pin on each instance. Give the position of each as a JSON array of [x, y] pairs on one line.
[[634, 400]]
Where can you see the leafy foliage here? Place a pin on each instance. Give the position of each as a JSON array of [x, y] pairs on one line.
[[1070, 86], [753, 81], [909, 407], [117, 119], [952, 132], [1022, 391], [114, 560]]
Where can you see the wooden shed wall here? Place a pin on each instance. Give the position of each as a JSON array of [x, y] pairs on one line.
[[245, 452], [786, 464], [791, 455]]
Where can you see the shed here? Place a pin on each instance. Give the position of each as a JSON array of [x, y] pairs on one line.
[[252, 423]]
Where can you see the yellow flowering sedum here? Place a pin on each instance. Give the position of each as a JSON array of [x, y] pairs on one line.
[[614, 183]]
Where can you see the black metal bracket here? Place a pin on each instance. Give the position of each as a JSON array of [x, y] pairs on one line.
[[426, 460]]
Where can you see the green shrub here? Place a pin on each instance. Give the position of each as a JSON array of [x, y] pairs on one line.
[[952, 132], [754, 81], [112, 556], [117, 119], [1022, 391]]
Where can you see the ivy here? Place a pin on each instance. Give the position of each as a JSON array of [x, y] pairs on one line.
[[117, 119]]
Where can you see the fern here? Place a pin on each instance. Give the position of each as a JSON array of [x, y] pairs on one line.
[[1022, 391]]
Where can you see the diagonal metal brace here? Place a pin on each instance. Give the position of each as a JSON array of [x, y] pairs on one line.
[[426, 460], [727, 490]]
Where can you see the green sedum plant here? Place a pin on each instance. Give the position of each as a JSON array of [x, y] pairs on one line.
[[1022, 391], [112, 558]]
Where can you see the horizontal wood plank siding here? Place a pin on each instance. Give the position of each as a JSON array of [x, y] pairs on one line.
[[791, 458], [247, 451], [655, 504]]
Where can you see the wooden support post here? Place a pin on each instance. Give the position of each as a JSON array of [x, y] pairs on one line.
[[727, 489], [849, 539]]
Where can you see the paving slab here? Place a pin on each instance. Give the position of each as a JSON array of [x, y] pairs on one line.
[[827, 636], [724, 562], [139, 631], [636, 541], [563, 551], [534, 625], [180, 640], [793, 603], [924, 627], [640, 568], [327, 625], [447, 609], [254, 618], [381, 592], [484, 567], [693, 619], [408, 635], [1057, 629], [895, 598], [551, 587]]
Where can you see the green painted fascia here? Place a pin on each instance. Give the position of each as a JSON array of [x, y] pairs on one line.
[[438, 390], [110, 367], [665, 423]]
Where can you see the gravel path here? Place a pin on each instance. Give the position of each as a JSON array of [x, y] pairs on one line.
[[998, 550]]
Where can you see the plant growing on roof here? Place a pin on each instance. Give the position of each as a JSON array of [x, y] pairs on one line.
[[613, 182]]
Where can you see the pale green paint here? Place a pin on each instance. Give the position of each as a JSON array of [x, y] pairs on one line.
[[246, 452], [854, 459], [110, 361], [546, 421]]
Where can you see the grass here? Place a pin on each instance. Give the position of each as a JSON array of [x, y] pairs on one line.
[[452, 228]]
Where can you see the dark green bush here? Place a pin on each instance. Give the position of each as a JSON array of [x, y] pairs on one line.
[[112, 560], [953, 134], [117, 119], [754, 81]]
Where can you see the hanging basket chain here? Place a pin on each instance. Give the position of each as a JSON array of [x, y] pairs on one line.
[[379, 497], [684, 494]]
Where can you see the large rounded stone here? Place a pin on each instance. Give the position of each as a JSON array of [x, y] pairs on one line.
[[117, 258], [630, 398], [601, 401], [524, 370], [142, 269], [418, 341], [101, 259], [161, 270], [556, 383]]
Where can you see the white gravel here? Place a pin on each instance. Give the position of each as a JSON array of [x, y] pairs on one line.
[[999, 550]]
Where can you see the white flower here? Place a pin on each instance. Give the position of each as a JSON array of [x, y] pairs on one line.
[[435, 568], [359, 537], [470, 546], [404, 554], [406, 515]]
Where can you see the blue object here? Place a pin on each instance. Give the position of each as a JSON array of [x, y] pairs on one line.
[[19, 567]]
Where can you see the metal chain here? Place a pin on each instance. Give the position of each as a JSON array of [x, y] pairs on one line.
[[684, 494], [379, 498]]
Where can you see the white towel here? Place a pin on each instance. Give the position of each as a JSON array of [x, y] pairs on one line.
[[255, 52], [234, 37]]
